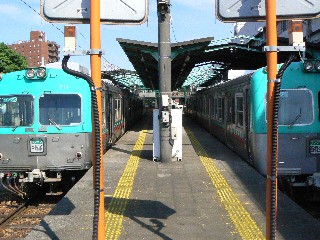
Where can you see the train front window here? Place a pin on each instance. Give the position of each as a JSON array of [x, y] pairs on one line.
[[296, 107], [16, 110], [60, 109]]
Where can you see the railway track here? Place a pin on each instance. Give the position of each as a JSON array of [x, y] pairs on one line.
[[18, 217]]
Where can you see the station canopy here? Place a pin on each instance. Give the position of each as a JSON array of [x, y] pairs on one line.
[[122, 77], [199, 62]]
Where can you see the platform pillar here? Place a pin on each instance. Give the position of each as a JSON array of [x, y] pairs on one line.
[[164, 69]]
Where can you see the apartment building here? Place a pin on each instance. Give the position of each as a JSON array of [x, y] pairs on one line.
[[38, 50]]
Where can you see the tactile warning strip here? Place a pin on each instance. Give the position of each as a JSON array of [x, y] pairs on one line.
[[118, 204], [244, 224]]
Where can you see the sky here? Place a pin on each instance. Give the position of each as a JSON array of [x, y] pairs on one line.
[[190, 19]]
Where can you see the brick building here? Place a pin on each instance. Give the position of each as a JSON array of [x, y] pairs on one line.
[[38, 49]]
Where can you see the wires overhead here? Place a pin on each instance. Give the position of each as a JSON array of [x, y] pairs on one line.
[[171, 24], [41, 16]]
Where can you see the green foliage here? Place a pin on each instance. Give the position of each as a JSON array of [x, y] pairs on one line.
[[11, 60]]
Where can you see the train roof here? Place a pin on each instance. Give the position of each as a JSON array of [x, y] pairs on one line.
[[72, 65]]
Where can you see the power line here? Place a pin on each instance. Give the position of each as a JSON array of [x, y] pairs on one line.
[[171, 24], [41, 16]]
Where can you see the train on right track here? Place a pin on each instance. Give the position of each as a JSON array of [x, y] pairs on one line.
[[234, 111]]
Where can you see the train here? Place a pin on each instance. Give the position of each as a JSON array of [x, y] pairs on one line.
[[46, 126], [235, 112]]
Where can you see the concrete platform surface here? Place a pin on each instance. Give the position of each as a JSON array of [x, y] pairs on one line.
[[179, 200]]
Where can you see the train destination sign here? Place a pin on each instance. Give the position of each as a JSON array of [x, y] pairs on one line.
[[254, 10], [78, 11]]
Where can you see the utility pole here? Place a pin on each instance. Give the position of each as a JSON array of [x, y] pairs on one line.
[[95, 59], [271, 209], [164, 69]]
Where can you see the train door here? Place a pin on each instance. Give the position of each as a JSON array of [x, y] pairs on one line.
[[230, 119], [110, 118], [247, 122]]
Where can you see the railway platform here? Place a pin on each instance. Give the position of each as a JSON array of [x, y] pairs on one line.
[[210, 194]]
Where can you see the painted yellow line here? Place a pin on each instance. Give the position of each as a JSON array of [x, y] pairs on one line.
[[244, 224], [118, 204]]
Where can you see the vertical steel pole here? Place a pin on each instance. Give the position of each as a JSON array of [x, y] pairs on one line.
[[95, 59], [164, 69], [271, 209]]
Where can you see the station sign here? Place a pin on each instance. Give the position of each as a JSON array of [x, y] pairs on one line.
[[111, 11], [254, 10]]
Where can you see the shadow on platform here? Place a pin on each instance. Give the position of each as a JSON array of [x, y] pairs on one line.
[[147, 209]]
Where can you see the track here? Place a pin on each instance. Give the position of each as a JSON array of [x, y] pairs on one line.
[[18, 217]]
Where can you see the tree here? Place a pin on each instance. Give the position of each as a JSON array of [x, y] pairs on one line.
[[11, 60]]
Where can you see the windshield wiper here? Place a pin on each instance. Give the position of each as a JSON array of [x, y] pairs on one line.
[[54, 123], [295, 120], [15, 127]]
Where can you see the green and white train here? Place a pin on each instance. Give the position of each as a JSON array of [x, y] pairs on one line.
[[234, 111], [46, 125]]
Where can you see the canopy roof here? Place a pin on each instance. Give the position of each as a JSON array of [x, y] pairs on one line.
[[198, 62], [193, 62]]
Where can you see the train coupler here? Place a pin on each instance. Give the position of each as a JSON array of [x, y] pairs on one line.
[[38, 176]]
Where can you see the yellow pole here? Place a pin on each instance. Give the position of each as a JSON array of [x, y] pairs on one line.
[[95, 45], [271, 24]]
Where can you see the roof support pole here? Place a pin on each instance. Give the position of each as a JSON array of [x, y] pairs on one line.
[[271, 192], [164, 67]]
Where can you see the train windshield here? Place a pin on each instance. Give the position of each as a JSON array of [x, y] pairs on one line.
[[296, 107], [60, 109], [16, 110]]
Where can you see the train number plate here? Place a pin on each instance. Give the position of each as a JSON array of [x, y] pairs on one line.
[[36, 146], [314, 146]]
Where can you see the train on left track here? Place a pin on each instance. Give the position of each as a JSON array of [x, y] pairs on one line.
[[46, 126]]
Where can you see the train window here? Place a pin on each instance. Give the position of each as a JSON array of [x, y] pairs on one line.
[[104, 118], [239, 110], [220, 109], [215, 108], [296, 107], [16, 110], [117, 109], [60, 109], [232, 110], [207, 106]]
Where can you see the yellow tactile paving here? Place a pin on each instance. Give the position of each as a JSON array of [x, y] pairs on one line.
[[118, 204], [244, 224]]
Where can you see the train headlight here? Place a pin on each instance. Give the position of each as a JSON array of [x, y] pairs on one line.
[[41, 73], [317, 66], [308, 66], [31, 73]]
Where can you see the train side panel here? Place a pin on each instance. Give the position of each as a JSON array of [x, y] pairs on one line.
[[235, 113]]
